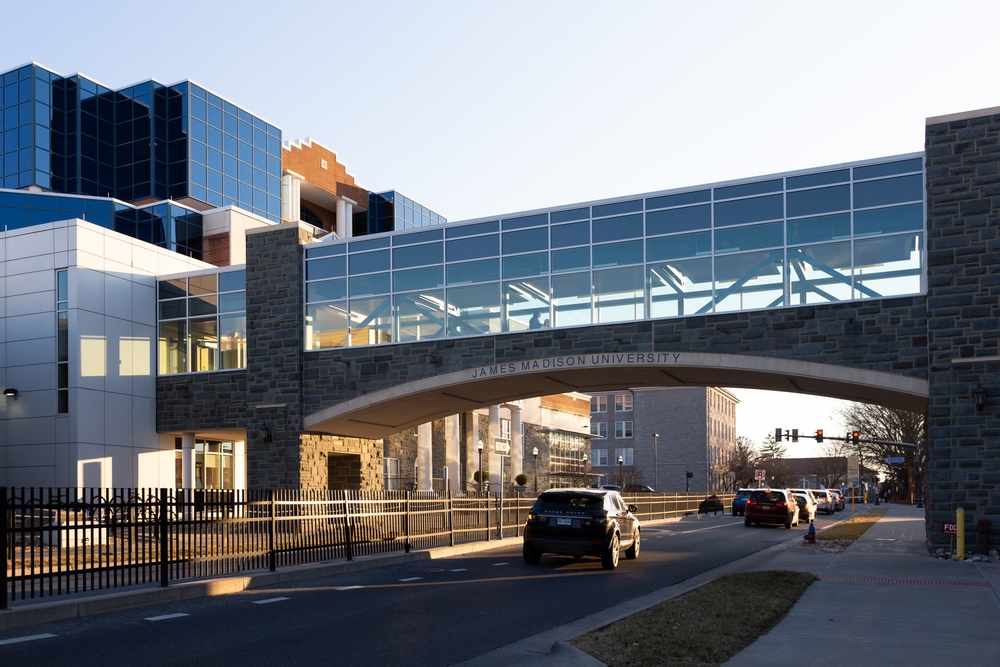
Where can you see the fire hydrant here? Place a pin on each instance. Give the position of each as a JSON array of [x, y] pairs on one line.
[[810, 536]]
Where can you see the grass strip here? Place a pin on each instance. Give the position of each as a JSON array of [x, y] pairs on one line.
[[702, 628], [852, 531]]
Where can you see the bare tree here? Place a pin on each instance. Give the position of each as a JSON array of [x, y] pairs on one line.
[[830, 468], [742, 462], [880, 423]]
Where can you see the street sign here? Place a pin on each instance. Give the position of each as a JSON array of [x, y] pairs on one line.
[[501, 446], [853, 471], [759, 475], [949, 529], [895, 459]]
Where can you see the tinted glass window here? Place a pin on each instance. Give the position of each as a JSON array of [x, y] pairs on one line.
[[822, 228], [331, 267], [368, 262], [470, 230], [526, 265], [527, 240], [748, 210], [889, 191], [474, 272], [887, 169], [570, 260], [430, 276], [820, 200], [682, 245], [749, 238], [889, 220], [617, 254], [678, 220], [577, 233], [812, 180], [618, 208], [767, 496], [527, 221], [370, 244], [417, 255], [473, 248], [569, 500], [419, 237], [377, 283], [616, 229], [679, 200], [567, 216], [747, 189], [326, 251]]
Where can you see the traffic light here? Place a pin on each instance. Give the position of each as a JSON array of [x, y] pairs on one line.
[[819, 435], [855, 437], [795, 435], [777, 435]]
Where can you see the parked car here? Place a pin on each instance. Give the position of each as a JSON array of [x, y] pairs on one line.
[[740, 501], [811, 493], [611, 487], [638, 488], [807, 507], [825, 501], [771, 506], [838, 498], [711, 504], [582, 522]]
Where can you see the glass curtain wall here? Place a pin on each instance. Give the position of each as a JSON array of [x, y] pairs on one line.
[[202, 323], [831, 234]]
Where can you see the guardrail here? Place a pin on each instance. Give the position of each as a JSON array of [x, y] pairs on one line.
[[61, 541]]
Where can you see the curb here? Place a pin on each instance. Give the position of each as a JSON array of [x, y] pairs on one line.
[[63, 610]]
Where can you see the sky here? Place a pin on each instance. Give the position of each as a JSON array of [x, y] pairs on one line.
[[479, 109]]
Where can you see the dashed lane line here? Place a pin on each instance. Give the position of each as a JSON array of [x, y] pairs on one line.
[[459, 569], [499, 564], [411, 579], [269, 600], [29, 638], [348, 588], [165, 617]]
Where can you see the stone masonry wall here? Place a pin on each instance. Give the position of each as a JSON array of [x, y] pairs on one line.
[[963, 322]]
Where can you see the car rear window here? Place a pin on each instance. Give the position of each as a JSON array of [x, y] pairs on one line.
[[563, 500], [767, 496], [743, 493]]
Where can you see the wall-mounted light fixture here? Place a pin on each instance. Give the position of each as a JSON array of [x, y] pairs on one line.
[[979, 398], [10, 392], [264, 433]]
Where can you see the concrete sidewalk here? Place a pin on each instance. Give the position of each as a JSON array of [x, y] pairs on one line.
[[885, 601]]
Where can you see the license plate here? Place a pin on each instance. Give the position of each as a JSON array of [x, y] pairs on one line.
[[564, 522], [765, 507]]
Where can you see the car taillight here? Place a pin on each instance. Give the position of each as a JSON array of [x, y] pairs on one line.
[[532, 516], [751, 502], [599, 520], [780, 503]]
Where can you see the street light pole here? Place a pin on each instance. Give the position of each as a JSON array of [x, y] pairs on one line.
[[656, 463], [621, 478], [534, 454], [480, 448]]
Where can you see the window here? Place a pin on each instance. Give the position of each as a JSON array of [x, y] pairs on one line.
[[62, 342], [390, 474], [213, 464], [599, 429], [623, 429], [626, 456], [505, 429], [623, 403], [598, 404], [598, 457]]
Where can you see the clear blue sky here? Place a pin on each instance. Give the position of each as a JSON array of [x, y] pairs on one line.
[[476, 109]]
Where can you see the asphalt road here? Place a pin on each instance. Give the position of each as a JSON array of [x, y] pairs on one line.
[[434, 613]]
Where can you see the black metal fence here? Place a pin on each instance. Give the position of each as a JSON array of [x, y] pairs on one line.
[[69, 540]]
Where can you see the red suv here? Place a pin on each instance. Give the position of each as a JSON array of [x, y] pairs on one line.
[[771, 506]]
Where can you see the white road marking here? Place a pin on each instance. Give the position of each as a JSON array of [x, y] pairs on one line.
[[269, 600], [165, 617], [412, 579], [499, 564], [29, 638], [885, 539], [346, 588], [460, 569], [698, 530]]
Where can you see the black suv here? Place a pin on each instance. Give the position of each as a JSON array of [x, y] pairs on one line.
[[581, 522]]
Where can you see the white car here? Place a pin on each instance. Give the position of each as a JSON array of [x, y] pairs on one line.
[[807, 508]]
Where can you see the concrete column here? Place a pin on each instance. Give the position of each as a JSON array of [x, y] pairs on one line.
[[286, 197], [348, 219], [471, 451], [296, 208], [341, 218], [495, 460], [452, 454], [516, 442], [425, 461], [187, 468]]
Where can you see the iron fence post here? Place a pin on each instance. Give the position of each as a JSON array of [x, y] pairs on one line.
[[489, 517], [406, 522], [451, 518], [500, 517], [347, 527], [272, 558], [164, 541]]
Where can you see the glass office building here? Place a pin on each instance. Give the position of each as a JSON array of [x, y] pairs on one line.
[[394, 211], [830, 234], [141, 143]]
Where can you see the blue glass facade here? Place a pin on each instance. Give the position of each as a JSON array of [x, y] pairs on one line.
[[829, 234], [164, 224], [394, 211], [148, 141]]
